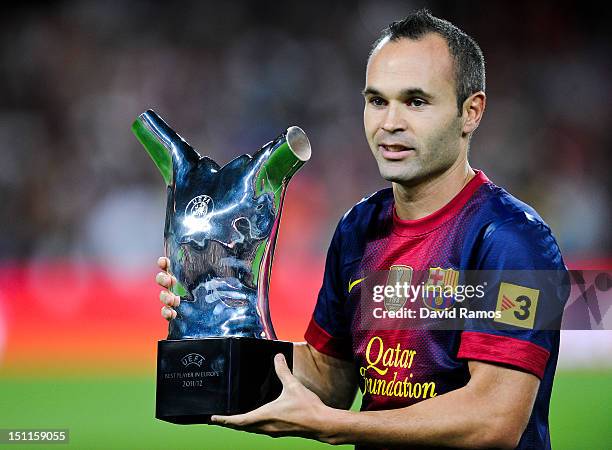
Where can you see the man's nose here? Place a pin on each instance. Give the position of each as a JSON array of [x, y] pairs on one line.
[[393, 120]]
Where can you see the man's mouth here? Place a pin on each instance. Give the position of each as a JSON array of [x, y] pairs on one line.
[[394, 152]]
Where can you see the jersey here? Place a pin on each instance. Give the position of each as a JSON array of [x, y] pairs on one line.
[[482, 228]]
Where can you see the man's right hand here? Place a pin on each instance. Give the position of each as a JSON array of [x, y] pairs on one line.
[[165, 280]]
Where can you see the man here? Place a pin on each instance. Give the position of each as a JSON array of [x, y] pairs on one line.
[[424, 97]]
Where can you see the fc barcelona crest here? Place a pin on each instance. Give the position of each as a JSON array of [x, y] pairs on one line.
[[440, 287]]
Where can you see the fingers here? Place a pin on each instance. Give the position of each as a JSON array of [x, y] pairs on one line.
[[262, 413], [282, 370], [168, 313], [169, 299], [164, 279], [242, 420], [225, 420], [163, 263]]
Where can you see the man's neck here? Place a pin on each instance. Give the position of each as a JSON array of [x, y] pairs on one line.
[[415, 202]]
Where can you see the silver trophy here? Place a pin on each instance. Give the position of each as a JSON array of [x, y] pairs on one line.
[[220, 232]]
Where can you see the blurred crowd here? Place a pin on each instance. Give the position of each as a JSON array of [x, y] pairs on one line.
[[230, 76]]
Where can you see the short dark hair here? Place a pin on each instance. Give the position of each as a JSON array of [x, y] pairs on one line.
[[469, 60]]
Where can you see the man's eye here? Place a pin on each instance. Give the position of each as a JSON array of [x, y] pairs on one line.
[[377, 101], [417, 102]]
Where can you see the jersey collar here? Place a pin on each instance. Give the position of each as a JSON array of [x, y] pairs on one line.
[[434, 220]]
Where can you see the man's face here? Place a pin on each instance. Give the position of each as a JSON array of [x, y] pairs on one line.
[[410, 117]]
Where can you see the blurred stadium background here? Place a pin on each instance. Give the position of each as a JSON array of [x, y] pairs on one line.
[[82, 204]]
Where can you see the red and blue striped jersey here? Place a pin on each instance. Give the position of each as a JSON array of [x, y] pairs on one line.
[[482, 228]]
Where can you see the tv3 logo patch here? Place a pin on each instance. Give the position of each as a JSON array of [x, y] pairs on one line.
[[517, 305]]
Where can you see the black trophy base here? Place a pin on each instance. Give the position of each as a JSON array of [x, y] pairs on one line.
[[197, 378]]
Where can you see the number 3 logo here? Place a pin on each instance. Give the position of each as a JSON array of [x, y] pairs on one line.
[[517, 305], [525, 304]]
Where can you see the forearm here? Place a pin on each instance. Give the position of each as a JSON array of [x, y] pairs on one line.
[[491, 411], [332, 380], [460, 418]]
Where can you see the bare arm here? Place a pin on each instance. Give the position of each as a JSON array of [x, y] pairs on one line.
[[491, 411], [333, 380]]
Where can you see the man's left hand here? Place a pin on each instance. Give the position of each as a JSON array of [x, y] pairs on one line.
[[296, 412]]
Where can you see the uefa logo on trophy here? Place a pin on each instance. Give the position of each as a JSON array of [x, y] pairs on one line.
[[219, 234]]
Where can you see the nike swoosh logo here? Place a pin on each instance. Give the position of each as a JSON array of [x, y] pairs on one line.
[[352, 284]]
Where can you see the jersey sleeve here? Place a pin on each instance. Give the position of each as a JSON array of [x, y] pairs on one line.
[[524, 273], [329, 327]]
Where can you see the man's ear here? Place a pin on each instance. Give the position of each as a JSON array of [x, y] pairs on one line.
[[473, 109]]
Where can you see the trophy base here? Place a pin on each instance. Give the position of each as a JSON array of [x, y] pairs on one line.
[[197, 378]]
